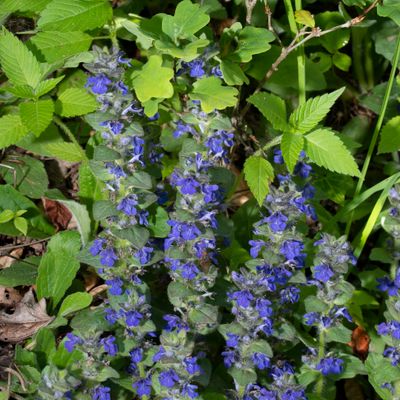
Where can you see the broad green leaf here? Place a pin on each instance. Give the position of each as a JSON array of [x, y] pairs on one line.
[[186, 52], [78, 211], [37, 115], [213, 95], [142, 39], [58, 266], [325, 149], [65, 151], [305, 18], [309, 114], [272, 107], [21, 224], [391, 9], [11, 130], [158, 223], [258, 173], [74, 101], [342, 61], [90, 188], [74, 15], [11, 199], [18, 63], [251, 41], [55, 45], [188, 19], [27, 92], [335, 40], [143, 81], [6, 215], [390, 136], [232, 73], [26, 173], [243, 376], [75, 302], [291, 146], [20, 273]]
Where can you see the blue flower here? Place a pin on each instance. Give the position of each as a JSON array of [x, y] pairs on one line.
[[233, 340], [196, 68], [115, 286], [122, 88], [189, 390], [109, 346], [173, 322], [216, 71], [263, 306], [342, 312], [277, 222], [393, 354], [211, 193], [97, 247], [98, 84], [101, 393], [160, 354], [108, 257], [330, 365], [291, 249], [293, 394], [390, 328], [133, 318], [136, 355], [182, 128], [323, 272], [144, 254], [189, 271], [229, 358], [243, 298], [260, 360], [114, 126], [278, 158], [111, 315], [168, 378], [72, 341], [143, 387], [290, 294], [311, 318], [256, 246], [302, 169], [191, 365], [127, 205]]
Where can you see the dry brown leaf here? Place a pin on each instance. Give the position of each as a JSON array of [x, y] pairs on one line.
[[57, 213], [28, 316], [9, 297], [360, 342], [7, 261]]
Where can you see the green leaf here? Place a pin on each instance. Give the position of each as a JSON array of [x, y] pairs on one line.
[[291, 146], [232, 73], [335, 40], [37, 115], [391, 9], [272, 107], [6, 216], [74, 101], [251, 41], [243, 376], [325, 149], [158, 223], [18, 63], [204, 318], [27, 92], [74, 15], [11, 130], [90, 188], [213, 95], [309, 114], [305, 18], [55, 45], [58, 266], [188, 19], [186, 52], [21, 224], [143, 81], [20, 273], [27, 173], [65, 151], [258, 173], [75, 302], [78, 211], [390, 136], [342, 61]]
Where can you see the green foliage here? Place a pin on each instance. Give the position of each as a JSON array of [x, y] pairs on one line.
[[258, 173], [291, 145], [74, 101], [391, 9], [37, 115], [390, 136], [11, 130]]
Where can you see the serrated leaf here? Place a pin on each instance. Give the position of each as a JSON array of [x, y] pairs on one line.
[[391, 9], [27, 92], [258, 173], [213, 95], [305, 18], [58, 266], [188, 19], [309, 114], [74, 15], [291, 146], [232, 73], [11, 130], [272, 107], [143, 81], [390, 136], [55, 45], [47, 85], [74, 101], [18, 63], [37, 115], [325, 149]]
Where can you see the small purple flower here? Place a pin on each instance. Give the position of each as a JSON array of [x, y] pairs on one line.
[[101, 393], [393, 354], [160, 354], [311, 318], [143, 387], [290, 294], [233, 340], [133, 318], [127, 205], [97, 247], [168, 378], [114, 126], [260, 360], [390, 328], [72, 341], [330, 365], [302, 169], [263, 306], [229, 358], [191, 365], [196, 68], [189, 271], [278, 159], [173, 322], [122, 88], [292, 394], [256, 246], [109, 346], [277, 222], [342, 312], [136, 355], [98, 84], [291, 249], [323, 272], [115, 286], [189, 390], [181, 129], [243, 298], [108, 257], [144, 254], [216, 71], [111, 316]]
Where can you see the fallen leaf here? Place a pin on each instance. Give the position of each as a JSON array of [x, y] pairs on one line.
[[360, 342], [58, 214], [9, 297], [6, 261], [26, 319]]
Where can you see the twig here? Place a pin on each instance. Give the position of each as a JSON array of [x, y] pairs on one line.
[[7, 248], [315, 32], [268, 13], [18, 375], [250, 4]]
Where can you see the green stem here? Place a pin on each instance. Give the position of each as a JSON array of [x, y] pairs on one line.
[[301, 66], [71, 137], [357, 36], [321, 352], [378, 127]]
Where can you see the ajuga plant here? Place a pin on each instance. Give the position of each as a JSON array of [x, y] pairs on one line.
[[182, 184]]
